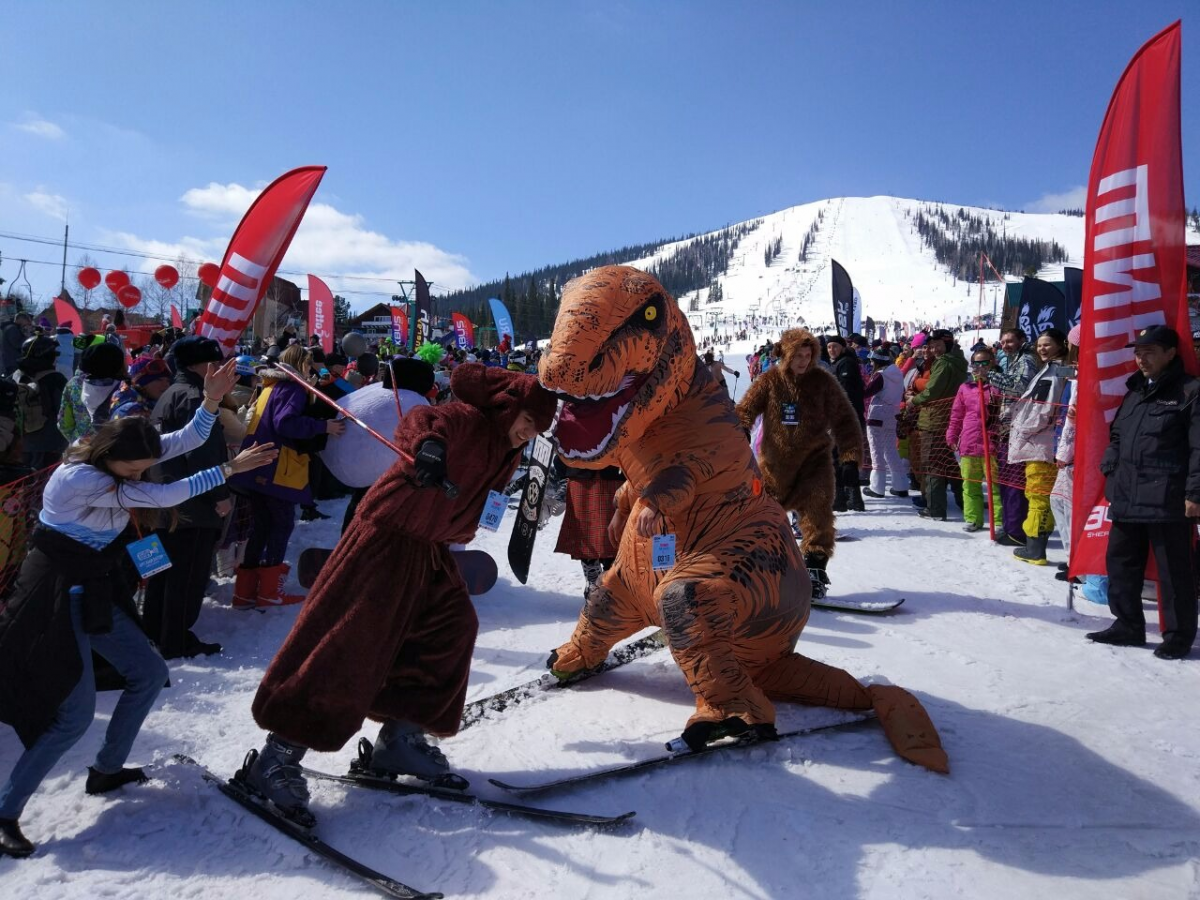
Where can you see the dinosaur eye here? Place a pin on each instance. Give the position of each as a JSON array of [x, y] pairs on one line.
[[649, 316]]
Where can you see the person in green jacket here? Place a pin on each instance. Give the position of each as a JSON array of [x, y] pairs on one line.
[[948, 372]]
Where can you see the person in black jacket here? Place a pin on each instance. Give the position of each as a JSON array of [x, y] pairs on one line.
[[1152, 466], [174, 597], [846, 370], [44, 443]]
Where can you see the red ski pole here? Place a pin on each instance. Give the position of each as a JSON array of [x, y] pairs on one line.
[[448, 487]]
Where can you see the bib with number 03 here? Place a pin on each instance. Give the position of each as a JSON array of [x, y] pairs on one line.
[[149, 556], [790, 414], [662, 552], [493, 511]]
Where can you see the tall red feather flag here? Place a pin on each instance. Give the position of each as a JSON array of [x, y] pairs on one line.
[[320, 312], [1134, 271], [67, 315], [255, 252]]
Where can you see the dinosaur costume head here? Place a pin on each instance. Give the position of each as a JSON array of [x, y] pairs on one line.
[[621, 356]]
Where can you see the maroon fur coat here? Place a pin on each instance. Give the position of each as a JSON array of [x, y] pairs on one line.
[[388, 629]]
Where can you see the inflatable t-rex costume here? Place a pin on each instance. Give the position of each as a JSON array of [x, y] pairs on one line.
[[623, 359]]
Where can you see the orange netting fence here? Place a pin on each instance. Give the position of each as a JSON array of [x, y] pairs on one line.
[[20, 502], [983, 438]]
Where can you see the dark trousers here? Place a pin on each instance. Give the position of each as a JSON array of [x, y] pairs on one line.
[[271, 524], [1015, 506], [1171, 542], [174, 597], [935, 484]]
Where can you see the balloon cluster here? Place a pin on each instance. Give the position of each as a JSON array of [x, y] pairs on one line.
[[129, 295]]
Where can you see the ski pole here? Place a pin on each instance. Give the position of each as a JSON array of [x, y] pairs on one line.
[[736, 376], [448, 487]]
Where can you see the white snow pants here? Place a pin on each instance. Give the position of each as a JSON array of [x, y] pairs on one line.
[[885, 459]]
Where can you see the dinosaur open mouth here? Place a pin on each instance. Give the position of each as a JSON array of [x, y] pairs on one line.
[[586, 425]]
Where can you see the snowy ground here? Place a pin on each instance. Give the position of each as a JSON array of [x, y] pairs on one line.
[[1075, 767]]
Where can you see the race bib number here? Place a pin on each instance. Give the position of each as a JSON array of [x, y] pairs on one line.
[[791, 414], [662, 552], [493, 511], [149, 556]]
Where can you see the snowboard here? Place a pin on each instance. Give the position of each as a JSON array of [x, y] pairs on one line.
[[477, 567], [849, 604], [525, 528]]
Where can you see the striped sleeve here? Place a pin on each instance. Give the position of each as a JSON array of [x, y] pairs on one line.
[[205, 481], [191, 436]]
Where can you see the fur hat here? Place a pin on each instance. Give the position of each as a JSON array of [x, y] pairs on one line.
[[194, 350], [103, 360], [410, 375], [503, 395], [795, 338]]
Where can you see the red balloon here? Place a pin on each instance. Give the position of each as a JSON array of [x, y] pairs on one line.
[[209, 273], [89, 278], [116, 280], [167, 276], [130, 296]]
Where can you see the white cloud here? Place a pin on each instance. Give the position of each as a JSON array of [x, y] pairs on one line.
[[328, 241], [220, 201], [52, 205], [1075, 198], [32, 124]]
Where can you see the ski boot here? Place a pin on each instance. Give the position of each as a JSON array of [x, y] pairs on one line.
[[274, 775], [815, 563], [851, 488], [699, 735], [403, 749]]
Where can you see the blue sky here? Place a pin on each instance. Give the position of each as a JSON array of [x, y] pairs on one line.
[[471, 138]]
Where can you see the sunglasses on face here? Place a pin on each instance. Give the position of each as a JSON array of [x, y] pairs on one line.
[[980, 363]]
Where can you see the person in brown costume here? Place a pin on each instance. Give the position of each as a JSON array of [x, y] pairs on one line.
[[388, 630]]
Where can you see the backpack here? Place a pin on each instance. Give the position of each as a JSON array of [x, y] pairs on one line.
[[29, 403]]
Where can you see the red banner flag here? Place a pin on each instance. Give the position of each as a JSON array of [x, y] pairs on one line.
[[176, 318], [320, 312], [399, 325], [255, 252], [67, 315], [464, 331], [1133, 272]]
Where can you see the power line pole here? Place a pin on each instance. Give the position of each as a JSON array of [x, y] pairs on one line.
[[66, 233]]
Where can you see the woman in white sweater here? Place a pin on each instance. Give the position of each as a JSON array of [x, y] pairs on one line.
[[74, 595]]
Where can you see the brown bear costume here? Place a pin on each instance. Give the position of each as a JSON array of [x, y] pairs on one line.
[[388, 629], [797, 462]]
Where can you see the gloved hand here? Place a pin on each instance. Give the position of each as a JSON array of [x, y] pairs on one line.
[[430, 463]]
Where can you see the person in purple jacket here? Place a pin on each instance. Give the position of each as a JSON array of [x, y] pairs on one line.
[[965, 434], [280, 417]]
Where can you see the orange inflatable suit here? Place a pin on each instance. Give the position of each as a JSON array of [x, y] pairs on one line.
[[737, 597]]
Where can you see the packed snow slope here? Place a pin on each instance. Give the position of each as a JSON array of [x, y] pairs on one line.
[[1075, 768], [875, 238]]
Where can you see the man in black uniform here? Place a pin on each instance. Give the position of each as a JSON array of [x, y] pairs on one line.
[[846, 370], [1152, 466]]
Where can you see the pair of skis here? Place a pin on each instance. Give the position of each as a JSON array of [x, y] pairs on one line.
[[237, 791]]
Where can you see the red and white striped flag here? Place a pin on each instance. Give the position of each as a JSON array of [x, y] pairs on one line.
[[255, 252]]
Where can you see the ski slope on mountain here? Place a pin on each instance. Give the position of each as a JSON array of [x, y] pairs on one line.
[[875, 238], [1075, 768]]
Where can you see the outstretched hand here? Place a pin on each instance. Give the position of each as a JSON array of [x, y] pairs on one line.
[[253, 456], [219, 380]]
